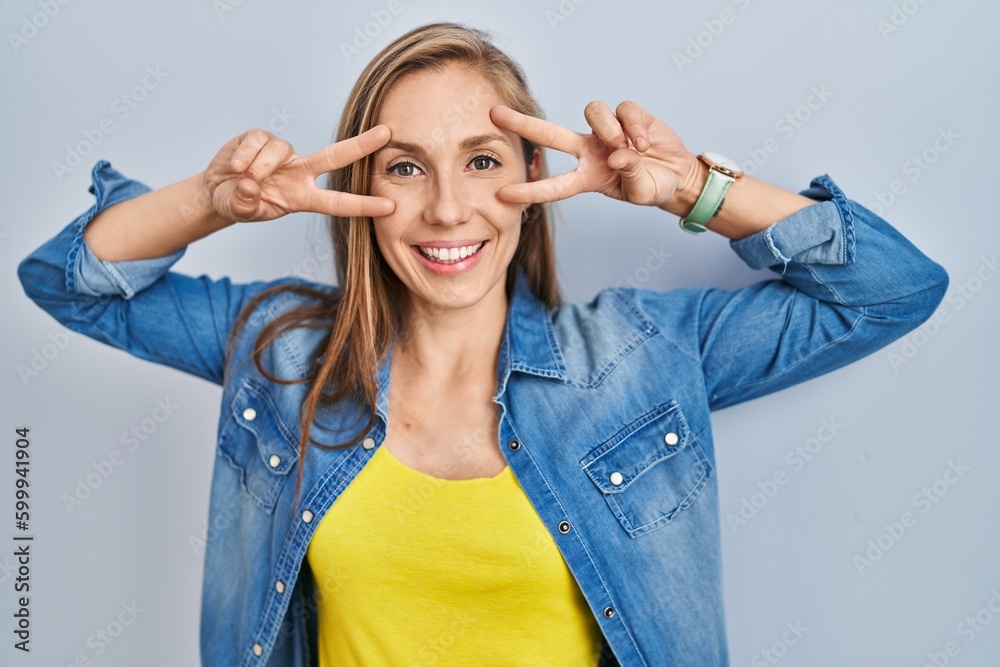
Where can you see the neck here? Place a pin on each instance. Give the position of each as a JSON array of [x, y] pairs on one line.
[[454, 345]]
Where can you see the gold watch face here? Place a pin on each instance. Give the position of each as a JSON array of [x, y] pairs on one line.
[[722, 163]]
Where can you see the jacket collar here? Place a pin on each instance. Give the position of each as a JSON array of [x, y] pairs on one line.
[[528, 345]]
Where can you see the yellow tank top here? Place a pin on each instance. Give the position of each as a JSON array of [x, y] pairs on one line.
[[412, 569]]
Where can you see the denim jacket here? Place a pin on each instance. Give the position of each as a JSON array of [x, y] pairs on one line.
[[603, 406]]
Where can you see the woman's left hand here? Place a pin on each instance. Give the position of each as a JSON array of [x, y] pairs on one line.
[[630, 155]]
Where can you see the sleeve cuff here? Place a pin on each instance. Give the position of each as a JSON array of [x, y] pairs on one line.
[[86, 274], [822, 233]]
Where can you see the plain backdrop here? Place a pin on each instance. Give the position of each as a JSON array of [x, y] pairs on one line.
[[896, 100]]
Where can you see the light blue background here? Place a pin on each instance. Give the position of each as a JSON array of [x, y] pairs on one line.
[[902, 418]]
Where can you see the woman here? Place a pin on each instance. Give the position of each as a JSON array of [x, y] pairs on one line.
[[535, 485]]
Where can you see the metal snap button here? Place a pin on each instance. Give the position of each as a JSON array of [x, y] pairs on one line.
[[249, 414], [307, 516], [258, 650], [609, 612], [616, 478], [274, 461], [279, 586], [368, 443], [514, 445], [564, 527], [671, 438]]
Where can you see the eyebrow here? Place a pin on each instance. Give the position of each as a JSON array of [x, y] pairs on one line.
[[466, 144]]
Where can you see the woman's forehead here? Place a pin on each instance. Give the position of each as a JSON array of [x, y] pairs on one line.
[[450, 107]]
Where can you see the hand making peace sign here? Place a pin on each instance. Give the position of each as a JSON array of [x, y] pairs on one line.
[[257, 176], [630, 155]]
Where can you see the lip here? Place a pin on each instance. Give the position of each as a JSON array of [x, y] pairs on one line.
[[450, 269], [449, 244]]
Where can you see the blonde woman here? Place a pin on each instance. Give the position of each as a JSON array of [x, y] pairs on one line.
[[438, 461]]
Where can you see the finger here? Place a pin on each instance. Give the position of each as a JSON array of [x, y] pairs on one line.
[[626, 161], [343, 153], [274, 153], [554, 188], [605, 125], [635, 119], [237, 201], [537, 130], [346, 205], [250, 144]]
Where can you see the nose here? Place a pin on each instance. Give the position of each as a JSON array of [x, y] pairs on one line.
[[450, 203]]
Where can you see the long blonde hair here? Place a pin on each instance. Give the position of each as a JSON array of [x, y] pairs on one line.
[[368, 310]]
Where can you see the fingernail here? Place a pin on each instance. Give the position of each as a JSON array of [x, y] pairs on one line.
[[642, 143]]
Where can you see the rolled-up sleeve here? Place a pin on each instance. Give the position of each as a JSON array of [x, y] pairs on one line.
[[85, 273], [139, 306], [822, 233]]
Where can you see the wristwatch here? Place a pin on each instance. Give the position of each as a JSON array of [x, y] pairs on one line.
[[722, 172]]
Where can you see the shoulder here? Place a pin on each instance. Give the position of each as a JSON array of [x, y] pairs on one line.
[[594, 336], [631, 308], [290, 353]]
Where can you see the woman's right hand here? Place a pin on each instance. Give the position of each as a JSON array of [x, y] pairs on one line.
[[257, 176]]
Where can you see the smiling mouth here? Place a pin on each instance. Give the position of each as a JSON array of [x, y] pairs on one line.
[[450, 255]]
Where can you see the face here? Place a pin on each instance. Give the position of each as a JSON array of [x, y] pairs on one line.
[[450, 238]]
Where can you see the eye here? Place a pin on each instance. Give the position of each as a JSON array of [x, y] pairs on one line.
[[404, 169], [482, 162]]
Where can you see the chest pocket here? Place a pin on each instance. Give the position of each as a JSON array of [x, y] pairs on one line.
[[259, 444], [650, 470]]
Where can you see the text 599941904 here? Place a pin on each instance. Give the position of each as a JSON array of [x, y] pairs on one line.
[[22, 542]]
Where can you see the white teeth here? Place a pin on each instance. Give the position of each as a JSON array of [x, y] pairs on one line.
[[449, 255]]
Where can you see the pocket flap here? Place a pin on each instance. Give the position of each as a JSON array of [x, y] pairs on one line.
[[254, 410], [650, 469]]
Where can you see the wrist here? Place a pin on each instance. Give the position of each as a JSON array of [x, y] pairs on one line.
[[198, 206], [688, 189]]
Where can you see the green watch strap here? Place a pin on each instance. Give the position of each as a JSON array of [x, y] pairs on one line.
[[708, 202]]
